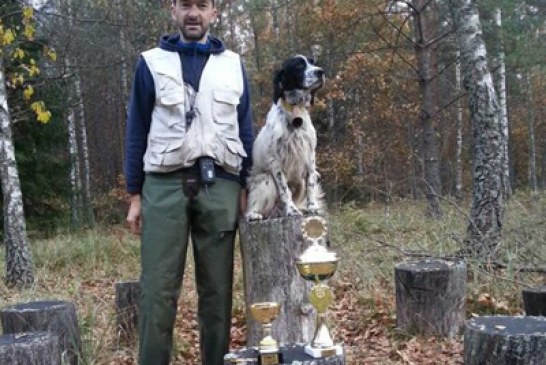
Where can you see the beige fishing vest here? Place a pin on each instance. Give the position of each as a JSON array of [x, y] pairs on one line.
[[214, 131]]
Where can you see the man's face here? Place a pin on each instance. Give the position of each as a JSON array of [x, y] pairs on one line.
[[193, 18]]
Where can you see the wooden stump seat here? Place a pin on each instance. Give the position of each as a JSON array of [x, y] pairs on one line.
[[292, 354], [56, 317], [127, 303], [269, 251], [430, 297], [31, 348], [534, 301], [505, 340]]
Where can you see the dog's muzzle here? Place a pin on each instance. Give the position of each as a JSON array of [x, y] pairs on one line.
[[297, 122]]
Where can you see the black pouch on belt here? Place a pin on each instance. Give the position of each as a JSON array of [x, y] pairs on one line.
[[206, 168]]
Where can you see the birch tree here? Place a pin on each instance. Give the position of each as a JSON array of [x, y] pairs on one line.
[[486, 214]]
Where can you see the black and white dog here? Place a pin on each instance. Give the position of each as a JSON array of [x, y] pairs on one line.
[[284, 180]]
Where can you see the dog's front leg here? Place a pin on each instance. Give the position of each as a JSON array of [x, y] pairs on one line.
[[313, 191], [285, 195]]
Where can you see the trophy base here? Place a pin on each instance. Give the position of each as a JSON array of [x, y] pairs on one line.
[[269, 358], [316, 352]]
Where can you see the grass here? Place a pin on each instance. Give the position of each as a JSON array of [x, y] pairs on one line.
[[83, 268]]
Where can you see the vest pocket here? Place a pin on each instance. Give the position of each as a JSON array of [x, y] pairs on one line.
[[234, 153], [224, 106], [165, 152]]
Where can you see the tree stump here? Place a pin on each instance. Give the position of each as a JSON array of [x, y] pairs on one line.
[[534, 301], [269, 250], [127, 302], [31, 348], [430, 297], [56, 317], [292, 354], [505, 340]]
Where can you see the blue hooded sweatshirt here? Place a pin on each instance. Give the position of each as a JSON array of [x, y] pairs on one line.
[[194, 56]]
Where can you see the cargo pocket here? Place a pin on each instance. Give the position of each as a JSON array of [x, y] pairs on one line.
[[165, 152], [171, 97], [224, 107], [234, 153]]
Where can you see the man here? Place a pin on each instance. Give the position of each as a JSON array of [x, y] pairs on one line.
[[188, 148]]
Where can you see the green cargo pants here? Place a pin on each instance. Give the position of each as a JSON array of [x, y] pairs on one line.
[[174, 206]]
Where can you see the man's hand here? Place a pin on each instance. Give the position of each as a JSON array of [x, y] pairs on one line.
[[134, 218], [243, 202]]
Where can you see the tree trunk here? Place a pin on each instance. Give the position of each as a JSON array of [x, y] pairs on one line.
[[19, 271], [534, 301], [31, 348], [292, 354], [484, 230], [56, 317], [459, 134], [426, 25], [532, 169], [430, 297], [505, 340], [500, 78], [127, 305], [269, 250]]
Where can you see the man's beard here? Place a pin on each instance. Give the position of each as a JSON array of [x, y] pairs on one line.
[[193, 35]]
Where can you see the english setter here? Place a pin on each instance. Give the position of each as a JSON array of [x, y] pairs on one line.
[[284, 180]]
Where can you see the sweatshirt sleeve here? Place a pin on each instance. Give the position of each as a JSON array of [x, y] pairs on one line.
[[138, 126], [246, 131]]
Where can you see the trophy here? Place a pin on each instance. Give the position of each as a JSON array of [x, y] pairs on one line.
[[265, 313], [317, 264]]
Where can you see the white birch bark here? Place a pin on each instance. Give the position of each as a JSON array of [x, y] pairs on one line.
[[486, 214], [19, 268], [500, 78], [459, 133]]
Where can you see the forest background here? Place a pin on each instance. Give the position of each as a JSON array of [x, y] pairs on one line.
[[393, 119]]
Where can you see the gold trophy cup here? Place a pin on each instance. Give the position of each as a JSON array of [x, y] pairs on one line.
[[265, 313], [317, 264]]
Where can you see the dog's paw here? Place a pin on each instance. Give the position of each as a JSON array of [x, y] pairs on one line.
[[313, 208], [253, 216], [292, 211]]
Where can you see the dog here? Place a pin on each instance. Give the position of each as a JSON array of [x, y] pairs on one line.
[[283, 180]]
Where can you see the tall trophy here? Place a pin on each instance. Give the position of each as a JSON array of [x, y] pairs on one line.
[[268, 350], [317, 264]]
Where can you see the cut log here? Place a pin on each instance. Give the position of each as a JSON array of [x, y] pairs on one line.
[[31, 348], [505, 340], [430, 297], [127, 300], [292, 354], [534, 301], [56, 317], [269, 250]]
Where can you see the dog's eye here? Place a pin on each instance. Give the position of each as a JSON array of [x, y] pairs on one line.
[[311, 60]]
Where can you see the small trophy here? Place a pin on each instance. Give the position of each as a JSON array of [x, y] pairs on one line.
[[317, 264], [265, 313]]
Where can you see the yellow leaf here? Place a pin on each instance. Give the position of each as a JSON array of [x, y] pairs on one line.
[[51, 54], [18, 54], [44, 116], [8, 37], [29, 32], [29, 91], [28, 12]]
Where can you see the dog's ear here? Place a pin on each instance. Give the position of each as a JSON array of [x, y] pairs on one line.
[[312, 101], [277, 85]]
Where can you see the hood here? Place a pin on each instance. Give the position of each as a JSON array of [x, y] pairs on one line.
[[173, 43]]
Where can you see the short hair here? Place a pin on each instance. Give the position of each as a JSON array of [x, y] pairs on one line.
[[212, 1]]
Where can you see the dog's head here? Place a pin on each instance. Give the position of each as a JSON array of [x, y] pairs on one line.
[[297, 80]]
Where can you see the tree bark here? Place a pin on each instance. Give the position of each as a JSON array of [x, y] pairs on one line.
[[269, 250], [459, 133], [430, 297], [19, 270], [534, 301], [505, 340], [486, 214], [31, 348], [56, 317], [426, 25], [500, 78], [532, 170], [292, 354], [127, 305]]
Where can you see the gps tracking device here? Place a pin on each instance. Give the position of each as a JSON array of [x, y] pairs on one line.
[[206, 168]]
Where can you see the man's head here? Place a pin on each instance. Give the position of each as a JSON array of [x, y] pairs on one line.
[[193, 18]]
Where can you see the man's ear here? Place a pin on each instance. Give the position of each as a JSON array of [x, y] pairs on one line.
[[277, 85]]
